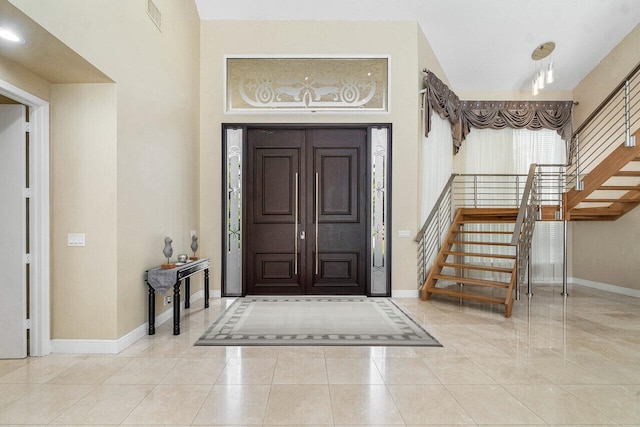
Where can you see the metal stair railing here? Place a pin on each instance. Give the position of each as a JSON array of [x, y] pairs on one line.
[[528, 213], [616, 119]]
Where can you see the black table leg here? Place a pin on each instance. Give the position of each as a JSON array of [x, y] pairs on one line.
[[187, 292], [152, 310], [206, 288], [176, 308]]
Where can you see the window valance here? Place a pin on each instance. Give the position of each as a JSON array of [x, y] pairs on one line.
[[532, 115], [463, 115], [439, 98]]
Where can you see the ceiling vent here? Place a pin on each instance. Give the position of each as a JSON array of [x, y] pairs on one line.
[[154, 14]]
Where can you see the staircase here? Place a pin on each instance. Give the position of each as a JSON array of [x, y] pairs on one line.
[[610, 190], [477, 245], [484, 254]]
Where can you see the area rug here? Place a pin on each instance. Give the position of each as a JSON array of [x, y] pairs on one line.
[[320, 321]]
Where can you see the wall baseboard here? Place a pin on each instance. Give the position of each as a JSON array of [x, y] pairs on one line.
[[405, 293], [605, 287], [116, 346]]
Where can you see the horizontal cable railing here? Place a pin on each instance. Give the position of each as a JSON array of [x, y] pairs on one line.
[[612, 124]]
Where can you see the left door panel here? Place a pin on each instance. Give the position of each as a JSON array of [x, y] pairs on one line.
[[275, 212], [13, 291]]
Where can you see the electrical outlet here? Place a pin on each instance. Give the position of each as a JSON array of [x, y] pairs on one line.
[[192, 233], [167, 300]]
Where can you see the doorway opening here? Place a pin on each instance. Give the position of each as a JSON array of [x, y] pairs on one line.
[[35, 257], [306, 210]]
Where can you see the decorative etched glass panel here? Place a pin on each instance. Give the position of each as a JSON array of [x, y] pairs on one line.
[[233, 217], [307, 84], [379, 210]]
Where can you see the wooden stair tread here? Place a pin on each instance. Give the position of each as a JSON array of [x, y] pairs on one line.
[[503, 256], [627, 173], [466, 295], [480, 232], [489, 221], [466, 242], [619, 188], [472, 281], [610, 201], [477, 267]]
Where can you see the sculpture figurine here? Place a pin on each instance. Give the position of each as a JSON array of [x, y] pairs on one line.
[[194, 246], [168, 250]]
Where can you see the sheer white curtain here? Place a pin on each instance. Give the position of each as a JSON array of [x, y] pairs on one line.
[[511, 151], [436, 164]]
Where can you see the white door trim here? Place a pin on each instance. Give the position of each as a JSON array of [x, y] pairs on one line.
[[40, 337]]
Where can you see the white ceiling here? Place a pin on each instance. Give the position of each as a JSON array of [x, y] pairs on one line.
[[481, 44]]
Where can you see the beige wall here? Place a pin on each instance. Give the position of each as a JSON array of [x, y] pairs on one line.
[[397, 39], [155, 169], [607, 252], [83, 195]]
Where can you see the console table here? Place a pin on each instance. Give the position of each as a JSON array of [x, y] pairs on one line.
[[161, 280]]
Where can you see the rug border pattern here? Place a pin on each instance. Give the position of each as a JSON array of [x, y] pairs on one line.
[[221, 332]]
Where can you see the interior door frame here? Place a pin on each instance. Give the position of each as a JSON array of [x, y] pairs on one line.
[[244, 156], [39, 222]]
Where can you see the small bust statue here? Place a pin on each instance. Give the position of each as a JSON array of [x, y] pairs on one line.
[[194, 245], [168, 250]]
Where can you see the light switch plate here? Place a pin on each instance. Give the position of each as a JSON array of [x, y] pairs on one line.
[[75, 239], [404, 233]]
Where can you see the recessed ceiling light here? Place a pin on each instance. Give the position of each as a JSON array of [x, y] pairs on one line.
[[10, 35]]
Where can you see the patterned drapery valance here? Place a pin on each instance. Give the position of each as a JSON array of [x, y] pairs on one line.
[[439, 98], [532, 115], [463, 115]]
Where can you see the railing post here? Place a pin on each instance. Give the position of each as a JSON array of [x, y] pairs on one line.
[[475, 191], [579, 183], [517, 190], [629, 140], [564, 260]]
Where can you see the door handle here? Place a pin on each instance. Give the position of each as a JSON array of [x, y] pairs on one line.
[[295, 230], [317, 211], [302, 235]]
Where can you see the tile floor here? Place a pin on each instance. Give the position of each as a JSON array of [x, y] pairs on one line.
[[552, 363]]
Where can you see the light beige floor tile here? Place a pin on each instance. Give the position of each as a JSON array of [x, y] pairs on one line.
[[234, 405], [9, 393], [106, 404], [10, 365], [44, 404], [405, 371], [298, 370], [356, 352], [298, 405], [195, 371], [39, 370], [353, 371], [401, 352], [611, 371], [562, 371], [492, 404], [301, 351], [170, 405], [457, 370], [93, 370], [248, 371], [618, 403], [510, 370], [363, 404], [143, 370], [557, 406], [418, 403]]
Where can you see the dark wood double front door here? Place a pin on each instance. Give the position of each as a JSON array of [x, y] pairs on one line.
[[306, 211]]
